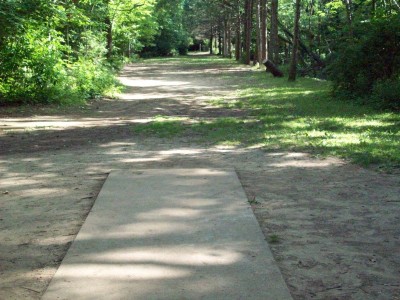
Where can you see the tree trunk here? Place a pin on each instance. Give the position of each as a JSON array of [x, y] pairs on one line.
[[109, 37], [264, 30], [238, 44], [225, 38], [274, 45], [258, 50], [219, 43], [247, 31], [211, 39], [287, 53], [229, 39], [296, 31]]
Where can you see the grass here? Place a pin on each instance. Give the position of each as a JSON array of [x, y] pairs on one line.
[[161, 126], [300, 116], [191, 60], [274, 239]]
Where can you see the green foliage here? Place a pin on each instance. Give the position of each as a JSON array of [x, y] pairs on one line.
[[33, 69], [274, 239], [161, 126], [172, 39], [386, 93], [371, 63], [134, 25], [55, 51], [88, 79], [31, 65]]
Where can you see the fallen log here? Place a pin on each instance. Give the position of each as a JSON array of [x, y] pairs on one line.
[[272, 68]]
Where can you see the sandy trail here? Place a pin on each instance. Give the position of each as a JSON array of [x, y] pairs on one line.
[[337, 224]]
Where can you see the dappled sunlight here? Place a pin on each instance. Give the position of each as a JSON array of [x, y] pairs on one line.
[[54, 165], [43, 192], [305, 117], [170, 212], [141, 82], [147, 96], [16, 180], [139, 229], [54, 240], [37, 123], [19, 185], [178, 255], [141, 160], [305, 162], [10, 126], [180, 152], [371, 123], [118, 144], [282, 94], [125, 272], [149, 227]]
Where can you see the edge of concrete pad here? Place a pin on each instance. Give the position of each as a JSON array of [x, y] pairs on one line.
[[275, 282]]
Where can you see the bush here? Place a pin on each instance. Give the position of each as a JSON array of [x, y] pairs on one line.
[[387, 93], [34, 69], [30, 67], [88, 79], [372, 56]]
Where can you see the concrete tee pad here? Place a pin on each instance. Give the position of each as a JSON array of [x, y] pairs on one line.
[[169, 234]]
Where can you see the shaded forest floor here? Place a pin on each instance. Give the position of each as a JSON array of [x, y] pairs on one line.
[[333, 226]]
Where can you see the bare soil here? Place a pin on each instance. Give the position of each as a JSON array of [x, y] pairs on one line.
[[333, 227]]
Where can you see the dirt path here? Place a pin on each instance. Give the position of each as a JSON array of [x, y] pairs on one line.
[[335, 226]]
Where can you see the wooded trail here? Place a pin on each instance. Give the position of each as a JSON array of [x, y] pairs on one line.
[[332, 226]]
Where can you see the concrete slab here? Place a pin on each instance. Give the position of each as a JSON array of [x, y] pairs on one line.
[[169, 234]]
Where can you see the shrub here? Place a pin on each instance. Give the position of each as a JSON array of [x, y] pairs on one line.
[[372, 56], [89, 79], [387, 93], [34, 69], [30, 67]]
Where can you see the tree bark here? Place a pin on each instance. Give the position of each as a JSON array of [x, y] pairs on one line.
[[296, 31], [229, 38], [219, 43], [225, 39], [109, 37], [247, 31], [274, 45], [211, 39], [238, 44], [264, 30], [258, 50]]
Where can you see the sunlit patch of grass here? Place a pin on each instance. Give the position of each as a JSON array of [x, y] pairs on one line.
[[161, 126], [208, 60], [303, 116], [225, 131], [228, 103]]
